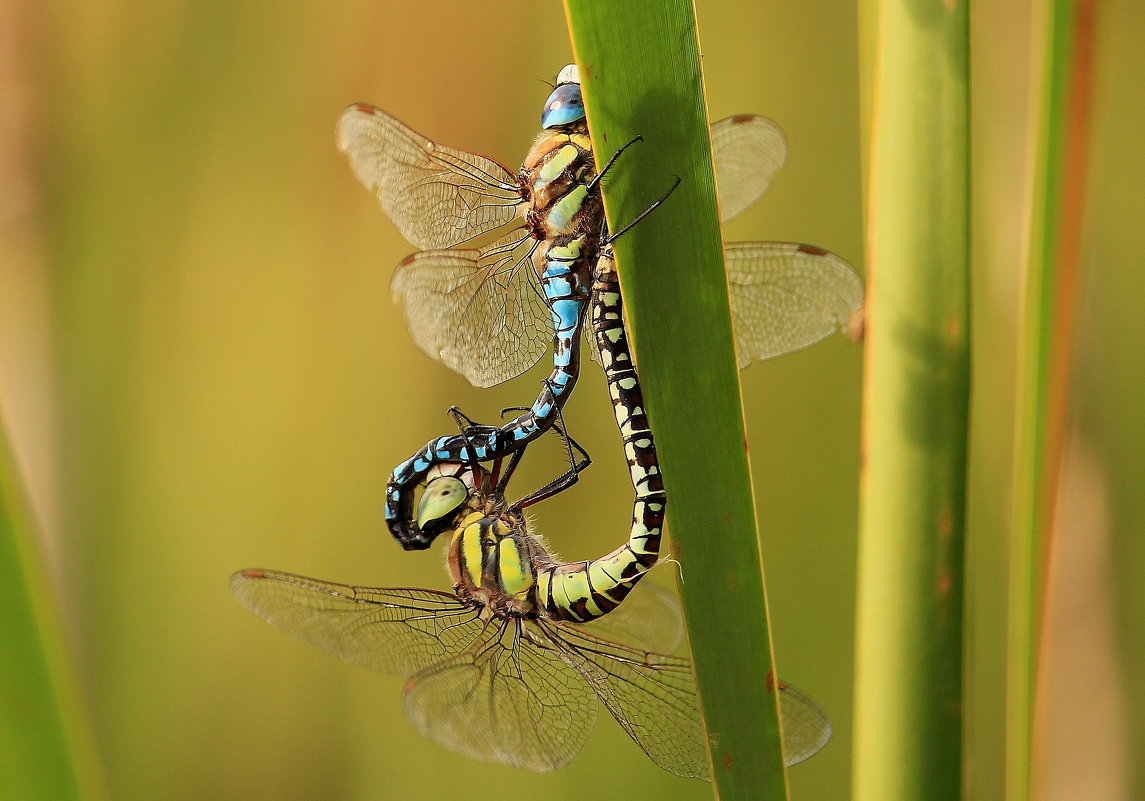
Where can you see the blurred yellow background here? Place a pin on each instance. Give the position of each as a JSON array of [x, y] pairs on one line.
[[202, 368]]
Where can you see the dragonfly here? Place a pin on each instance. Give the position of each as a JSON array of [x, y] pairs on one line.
[[512, 665], [505, 266], [487, 292]]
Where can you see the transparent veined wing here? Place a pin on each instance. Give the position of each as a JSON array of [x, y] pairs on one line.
[[747, 151], [509, 691], [398, 631], [504, 700], [806, 728], [786, 296], [652, 696], [438, 197], [477, 687], [480, 312]]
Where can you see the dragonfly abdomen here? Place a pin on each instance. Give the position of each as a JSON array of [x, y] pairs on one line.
[[587, 590], [565, 296]]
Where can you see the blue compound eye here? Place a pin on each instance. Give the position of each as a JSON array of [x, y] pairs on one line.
[[564, 106]]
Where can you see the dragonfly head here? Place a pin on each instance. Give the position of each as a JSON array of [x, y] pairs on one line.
[[565, 105]]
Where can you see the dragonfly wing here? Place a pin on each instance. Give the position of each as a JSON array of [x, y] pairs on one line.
[[438, 197], [747, 151], [806, 728], [652, 696], [504, 700], [398, 631], [480, 312], [591, 347], [786, 296]]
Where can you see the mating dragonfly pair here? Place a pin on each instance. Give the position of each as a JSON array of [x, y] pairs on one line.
[[509, 666]]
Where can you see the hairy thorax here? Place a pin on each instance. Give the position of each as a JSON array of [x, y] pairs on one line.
[[556, 177], [493, 561]]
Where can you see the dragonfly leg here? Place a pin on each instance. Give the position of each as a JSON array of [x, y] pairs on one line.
[[593, 183], [462, 420], [577, 463], [467, 428], [472, 433], [508, 409], [608, 240]]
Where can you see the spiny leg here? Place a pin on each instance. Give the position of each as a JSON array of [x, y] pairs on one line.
[[568, 478]]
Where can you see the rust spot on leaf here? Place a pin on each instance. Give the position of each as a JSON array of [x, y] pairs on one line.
[[945, 523], [944, 583]]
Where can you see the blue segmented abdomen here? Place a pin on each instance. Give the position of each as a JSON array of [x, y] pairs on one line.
[[566, 299], [581, 591]]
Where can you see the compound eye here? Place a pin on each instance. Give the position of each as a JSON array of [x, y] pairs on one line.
[[563, 107], [441, 497]]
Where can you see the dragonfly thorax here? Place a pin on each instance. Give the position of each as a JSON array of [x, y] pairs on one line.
[[493, 564], [555, 180]]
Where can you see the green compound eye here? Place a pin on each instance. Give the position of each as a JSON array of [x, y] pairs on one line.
[[442, 496]]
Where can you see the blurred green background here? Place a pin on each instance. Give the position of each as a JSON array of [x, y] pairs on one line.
[[202, 370]]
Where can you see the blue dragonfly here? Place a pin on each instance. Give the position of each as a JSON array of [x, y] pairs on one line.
[[507, 257]]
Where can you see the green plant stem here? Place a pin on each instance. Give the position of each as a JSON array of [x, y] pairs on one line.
[[1057, 195], [908, 675], [44, 746], [640, 69]]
